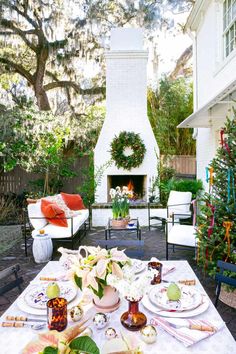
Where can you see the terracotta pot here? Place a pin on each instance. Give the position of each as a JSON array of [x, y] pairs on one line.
[[119, 223], [110, 300]]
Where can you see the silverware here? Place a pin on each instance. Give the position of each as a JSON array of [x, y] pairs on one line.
[[36, 326], [24, 319], [193, 326]]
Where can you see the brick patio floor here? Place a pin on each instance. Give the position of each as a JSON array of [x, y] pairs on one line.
[[154, 241]]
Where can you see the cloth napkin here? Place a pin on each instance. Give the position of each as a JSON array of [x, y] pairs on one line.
[[185, 335]]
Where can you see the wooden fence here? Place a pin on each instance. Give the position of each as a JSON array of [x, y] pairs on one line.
[[18, 181], [184, 165]]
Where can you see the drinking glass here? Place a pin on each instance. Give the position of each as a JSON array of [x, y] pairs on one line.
[[57, 313], [157, 266]]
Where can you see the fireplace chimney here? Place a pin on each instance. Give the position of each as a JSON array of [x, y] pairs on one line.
[[126, 107]]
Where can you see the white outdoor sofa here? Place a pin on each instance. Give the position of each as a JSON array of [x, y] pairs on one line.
[[77, 225]]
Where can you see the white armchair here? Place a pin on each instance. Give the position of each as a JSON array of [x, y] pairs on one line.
[[179, 203], [181, 236]]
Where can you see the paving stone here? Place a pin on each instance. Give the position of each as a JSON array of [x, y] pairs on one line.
[[154, 245]]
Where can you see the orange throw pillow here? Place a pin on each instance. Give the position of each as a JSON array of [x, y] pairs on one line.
[[73, 201], [53, 213]]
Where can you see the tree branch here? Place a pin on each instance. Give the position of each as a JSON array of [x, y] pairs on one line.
[[18, 68], [76, 87], [9, 24], [24, 14]]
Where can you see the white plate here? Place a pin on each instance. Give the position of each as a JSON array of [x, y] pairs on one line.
[[138, 266], [36, 295], [23, 306], [185, 314], [190, 298]]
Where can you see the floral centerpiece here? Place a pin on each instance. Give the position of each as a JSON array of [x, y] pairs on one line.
[[120, 203], [133, 290], [92, 271]]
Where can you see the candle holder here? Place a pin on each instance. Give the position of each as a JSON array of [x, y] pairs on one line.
[[57, 314], [157, 266]]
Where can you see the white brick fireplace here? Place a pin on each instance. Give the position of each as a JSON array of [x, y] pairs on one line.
[[126, 110]]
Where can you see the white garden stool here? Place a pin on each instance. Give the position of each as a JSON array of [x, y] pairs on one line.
[[42, 247]]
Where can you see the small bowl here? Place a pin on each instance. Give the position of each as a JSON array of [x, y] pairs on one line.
[[131, 224]]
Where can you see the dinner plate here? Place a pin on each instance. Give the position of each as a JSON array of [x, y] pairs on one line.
[[138, 266], [190, 298], [36, 295], [184, 314], [23, 306]]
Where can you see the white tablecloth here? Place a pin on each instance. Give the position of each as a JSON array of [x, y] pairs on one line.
[[13, 340]]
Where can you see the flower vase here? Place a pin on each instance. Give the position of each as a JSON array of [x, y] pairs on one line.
[[110, 300], [133, 319]]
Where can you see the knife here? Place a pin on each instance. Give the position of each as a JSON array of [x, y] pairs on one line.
[[24, 319], [193, 326], [36, 326]]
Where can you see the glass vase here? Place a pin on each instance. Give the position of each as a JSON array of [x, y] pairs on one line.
[[133, 319]]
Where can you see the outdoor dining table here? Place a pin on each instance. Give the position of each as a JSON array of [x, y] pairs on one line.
[[13, 340]]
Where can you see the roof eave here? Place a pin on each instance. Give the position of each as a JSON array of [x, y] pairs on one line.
[[194, 16]]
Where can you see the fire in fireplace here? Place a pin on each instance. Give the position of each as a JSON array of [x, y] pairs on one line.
[[137, 184]]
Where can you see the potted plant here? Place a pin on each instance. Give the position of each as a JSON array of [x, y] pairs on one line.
[[120, 206], [92, 271]]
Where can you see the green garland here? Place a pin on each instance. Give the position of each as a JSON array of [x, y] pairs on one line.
[[122, 141]]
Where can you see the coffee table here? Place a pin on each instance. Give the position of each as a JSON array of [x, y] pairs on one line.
[[134, 229]]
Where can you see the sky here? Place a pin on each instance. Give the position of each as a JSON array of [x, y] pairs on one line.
[[172, 43]]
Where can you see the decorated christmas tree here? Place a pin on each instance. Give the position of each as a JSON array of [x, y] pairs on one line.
[[217, 220]]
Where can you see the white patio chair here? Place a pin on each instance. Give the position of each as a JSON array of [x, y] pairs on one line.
[[179, 203], [181, 236]]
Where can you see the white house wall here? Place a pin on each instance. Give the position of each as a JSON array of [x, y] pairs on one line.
[[212, 74]]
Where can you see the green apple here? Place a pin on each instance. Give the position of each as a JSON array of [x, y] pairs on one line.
[[173, 292], [52, 290]]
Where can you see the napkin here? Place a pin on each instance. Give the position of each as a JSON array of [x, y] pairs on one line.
[[185, 335]]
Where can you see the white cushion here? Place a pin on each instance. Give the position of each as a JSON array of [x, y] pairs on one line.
[[176, 198], [34, 210], [184, 235], [162, 213], [65, 232]]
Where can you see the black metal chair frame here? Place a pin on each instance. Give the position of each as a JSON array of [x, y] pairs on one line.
[[138, 244], [13, 270], [81, 232], [163, 220], [174, 246], [221, 278]]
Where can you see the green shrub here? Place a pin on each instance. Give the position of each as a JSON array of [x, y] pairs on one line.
[[185, 185]]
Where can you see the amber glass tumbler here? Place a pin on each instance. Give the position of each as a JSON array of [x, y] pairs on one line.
[[157, 266], [57, 313]]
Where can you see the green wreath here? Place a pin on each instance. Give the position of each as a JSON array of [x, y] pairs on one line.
[[122, 141]]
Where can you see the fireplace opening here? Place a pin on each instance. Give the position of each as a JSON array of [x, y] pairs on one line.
[[137, 184]]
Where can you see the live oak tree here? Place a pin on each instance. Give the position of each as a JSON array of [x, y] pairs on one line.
[[50, 42]]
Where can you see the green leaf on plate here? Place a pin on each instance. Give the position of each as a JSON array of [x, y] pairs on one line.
[[84, 344]]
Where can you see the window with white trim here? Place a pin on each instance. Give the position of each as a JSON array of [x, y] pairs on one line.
[[229, 26]]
